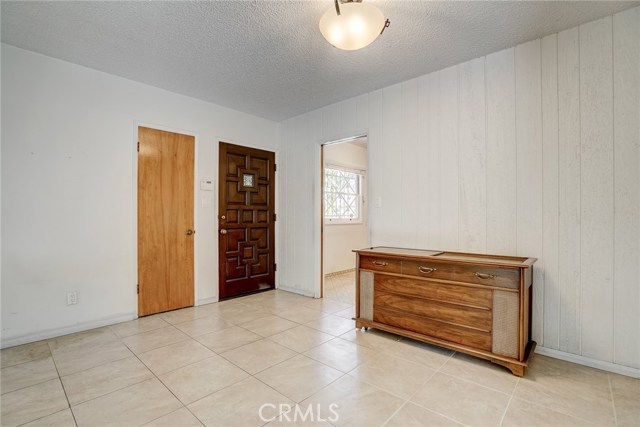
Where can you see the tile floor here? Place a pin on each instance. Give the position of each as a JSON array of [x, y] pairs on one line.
[[215, 365], [341, 287]]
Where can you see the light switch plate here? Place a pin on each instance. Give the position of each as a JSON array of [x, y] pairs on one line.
[[206, 185]]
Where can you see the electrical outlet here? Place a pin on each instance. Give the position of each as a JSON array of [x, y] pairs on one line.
[[72, 298]]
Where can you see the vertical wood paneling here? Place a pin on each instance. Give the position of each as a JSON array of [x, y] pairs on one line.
[[501, 153], [392, 194], [434, 173], [626, 80], [549, 57], [529, 172], [596, 242], [472, 157], [424, 155], [449, 204], [376, 167], [553, 127], [569, 189], [410, 201]]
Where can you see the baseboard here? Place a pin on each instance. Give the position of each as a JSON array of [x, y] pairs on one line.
[[204, 301], [57, 332], [592, 363], [296, 291]]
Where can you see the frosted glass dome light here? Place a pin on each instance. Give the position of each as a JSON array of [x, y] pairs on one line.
[[352, 25]]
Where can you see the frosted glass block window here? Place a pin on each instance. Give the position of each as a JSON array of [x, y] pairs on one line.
[[342, 196], [247, 180]]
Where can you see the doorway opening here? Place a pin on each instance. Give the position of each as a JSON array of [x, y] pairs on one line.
[[344, 215]]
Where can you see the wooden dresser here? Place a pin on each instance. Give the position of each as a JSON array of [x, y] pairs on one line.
[[475, 304]]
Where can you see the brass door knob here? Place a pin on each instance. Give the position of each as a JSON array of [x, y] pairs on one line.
[[190, 232]]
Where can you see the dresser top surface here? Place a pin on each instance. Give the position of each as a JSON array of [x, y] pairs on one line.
[[497, 260]]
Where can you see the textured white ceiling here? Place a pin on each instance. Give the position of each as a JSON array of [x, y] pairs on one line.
[[268, 58]]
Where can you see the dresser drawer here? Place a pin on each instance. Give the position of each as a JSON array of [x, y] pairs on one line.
[[469, 296], [457, 334], [389, 265], [490, 276], [450, 313]]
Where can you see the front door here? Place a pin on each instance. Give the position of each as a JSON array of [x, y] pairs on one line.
[[246, 217], [165, 220]]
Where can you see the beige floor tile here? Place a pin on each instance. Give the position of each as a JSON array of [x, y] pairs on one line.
[[411, 415], [299, 377], [228, 339], [103, 379], [572, 389], [341, 354], [203, 325], [300, 416], [27, 374], [334, 325], [133, 327], [200, 379], [174, 356], [301, 338], [246, 315], [327, 305], [59, 419], [524, 414], [462, 401], [239, 405], [132, 406], [180, 418], [358, 403], [419, 352], [258, 355], [24, 353], [32, 403], [482, 372], [301, 314], [626, 398], [348, 313], [267, 326], [183, 315], [397, 376], [82, 340], [75, 359], [147, 341], [372, 338]]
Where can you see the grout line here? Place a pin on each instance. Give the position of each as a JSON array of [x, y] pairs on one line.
[[506, 408], [613, 401], [62, 385]]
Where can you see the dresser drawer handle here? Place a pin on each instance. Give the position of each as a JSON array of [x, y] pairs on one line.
[[380, 263], [426, 270], [484, 275]]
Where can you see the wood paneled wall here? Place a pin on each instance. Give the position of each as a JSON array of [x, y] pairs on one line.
[[532, 151]]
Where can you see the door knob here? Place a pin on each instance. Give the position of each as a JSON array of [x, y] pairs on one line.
[[223, 231], [190, 232]]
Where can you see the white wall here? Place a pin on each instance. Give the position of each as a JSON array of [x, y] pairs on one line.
[[68, 190], [526, 151], [341, 239]]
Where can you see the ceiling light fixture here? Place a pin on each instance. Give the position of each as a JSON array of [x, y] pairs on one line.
[[352, 25]]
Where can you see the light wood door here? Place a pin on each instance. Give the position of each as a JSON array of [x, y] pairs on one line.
[[246, 217], [165, 221]]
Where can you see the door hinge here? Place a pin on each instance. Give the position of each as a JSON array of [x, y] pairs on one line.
[[138, 289], [138, 146], [275, 217], [275, 267], [275, 167]]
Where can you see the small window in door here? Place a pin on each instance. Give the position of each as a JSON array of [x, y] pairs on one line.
[[342, 196]]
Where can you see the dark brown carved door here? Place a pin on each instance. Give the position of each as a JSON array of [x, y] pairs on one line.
[[246, 219]]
